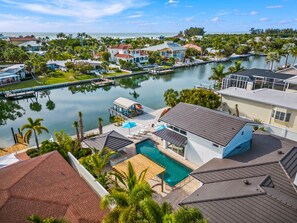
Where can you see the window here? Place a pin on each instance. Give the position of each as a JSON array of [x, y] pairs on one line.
[[277, 115], [183, 132], [282, 116], [288, 117]]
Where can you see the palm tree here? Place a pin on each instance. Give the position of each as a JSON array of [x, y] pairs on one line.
[[100, 125], [218, 74], [35, 127], [171, 97], [37, 219], [271, 58], [75, 125], [287, 49], [81, 126], [236, 68], [127, 198], [294, 54], [163, 213], [96, 163]]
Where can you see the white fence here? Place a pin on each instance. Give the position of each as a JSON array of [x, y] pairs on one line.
[[98, 188], [281, 132]]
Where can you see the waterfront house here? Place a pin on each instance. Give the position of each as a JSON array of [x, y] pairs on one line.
[[193, 46], [48, 187], [276, 109], [168, 49], [127, 53], [257, 186], [60, 64], [125, 107], [31, 45], [12, 74], [21, 39], [200, 134], [259, 78]]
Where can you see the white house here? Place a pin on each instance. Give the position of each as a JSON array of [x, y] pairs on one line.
[[126, 53], [168, 49], [200, 134], [12, 74], [31, 45]]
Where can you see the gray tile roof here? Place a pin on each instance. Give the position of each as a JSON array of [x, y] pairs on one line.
[[212, 125], [112, 140], [172, 137], [255, 72], [269, 195], [165, 45]]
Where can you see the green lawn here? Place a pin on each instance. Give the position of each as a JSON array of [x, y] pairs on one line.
[[57, 78], [116, 74]]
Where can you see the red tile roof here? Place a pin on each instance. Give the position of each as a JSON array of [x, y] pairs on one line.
[[122, 47], [49, 187], [125, 56], [198, 48], [22, 38]]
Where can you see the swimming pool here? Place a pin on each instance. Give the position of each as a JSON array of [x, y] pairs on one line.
[[175, 171]]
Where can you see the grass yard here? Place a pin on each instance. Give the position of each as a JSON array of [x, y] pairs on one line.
[[52, 78], [115, 74]]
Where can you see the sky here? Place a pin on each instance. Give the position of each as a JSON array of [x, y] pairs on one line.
[[132, 16]]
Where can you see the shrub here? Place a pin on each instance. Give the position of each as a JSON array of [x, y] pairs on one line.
[[118, 70], [32, 153], [47, 146]]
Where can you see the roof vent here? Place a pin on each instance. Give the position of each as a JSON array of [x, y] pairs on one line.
[[246, 182], [280, 152]]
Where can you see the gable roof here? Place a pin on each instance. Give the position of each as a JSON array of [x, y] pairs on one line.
[[259, 181], [172, 137], [125, 102], [125, 56], [256, 72], [264, 95], [212, 125], [166, 45], [47, 186], [112, 140]]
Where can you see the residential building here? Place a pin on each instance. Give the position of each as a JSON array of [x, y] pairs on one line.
[[21, 39], [127, 53], [257, 186], [60, 64], [193, 46], [168, 49], [12, 74], [48, 187], [31, 45], [277, 109], [259, 78], [200, 134]]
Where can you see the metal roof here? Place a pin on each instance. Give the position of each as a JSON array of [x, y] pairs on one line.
[[124, 102], [266, 96], [112, 140], [212, 125], [166, 45], [258, 182], [255, 72], [172, 137]]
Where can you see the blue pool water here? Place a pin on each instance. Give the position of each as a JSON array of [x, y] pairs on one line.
[[175, 171]]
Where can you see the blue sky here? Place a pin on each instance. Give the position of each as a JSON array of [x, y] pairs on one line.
[[145, 15]]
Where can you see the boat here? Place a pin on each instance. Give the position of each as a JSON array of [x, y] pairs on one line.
[[161, 71], [20, 95]]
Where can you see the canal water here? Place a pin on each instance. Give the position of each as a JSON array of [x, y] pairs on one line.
[[59, 107]]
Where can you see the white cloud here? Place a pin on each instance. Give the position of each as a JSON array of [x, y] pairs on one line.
[[274, 6], [254, 13], [189, 19], [80, 9], [216, 19], [135, 16], [223, 12], [264, 19], [172, 2]]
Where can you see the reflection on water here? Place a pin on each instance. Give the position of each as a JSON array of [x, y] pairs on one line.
[[59, 107]]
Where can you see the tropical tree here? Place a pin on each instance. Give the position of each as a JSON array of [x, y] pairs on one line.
[[81, 126], [294, 54], [96, 163], [37, 219], [126, 199], [76, 125], [100, 125], [271, 58], [218, 74], [171, 97], [163, 213], [10, 110], [237, 67], [34, 126], [287, 48]]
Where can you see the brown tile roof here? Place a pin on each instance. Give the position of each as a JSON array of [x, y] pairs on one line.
[[125, 56], [46, 186], [269, 195], [198, 48], [26, 38], [212, 125]]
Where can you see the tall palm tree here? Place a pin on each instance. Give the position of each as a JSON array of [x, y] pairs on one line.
[[100, 125], [35, 127], [287, 50], [37, 219], [294, 54], [163, 213], [271, 58], [75, 125], [171, 97], [126, 199], [236, 68], [81, 126], [218, 74]]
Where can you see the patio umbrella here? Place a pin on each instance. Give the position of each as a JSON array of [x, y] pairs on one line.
[[160, 127], [129, 125]]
